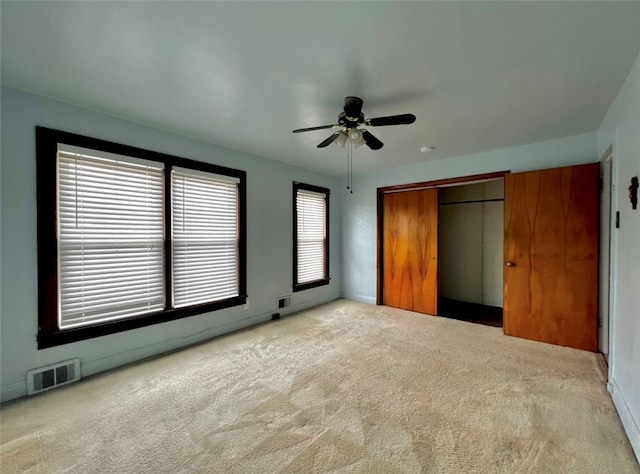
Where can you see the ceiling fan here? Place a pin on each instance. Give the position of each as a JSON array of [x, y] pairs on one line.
[[351, 123]]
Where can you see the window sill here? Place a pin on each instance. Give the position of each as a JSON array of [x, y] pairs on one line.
[[311, 284], [58, 338]]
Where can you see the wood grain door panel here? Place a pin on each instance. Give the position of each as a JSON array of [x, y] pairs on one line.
[[410, 253], [551, 243]]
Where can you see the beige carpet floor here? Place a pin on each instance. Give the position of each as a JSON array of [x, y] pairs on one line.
[[345, 387]]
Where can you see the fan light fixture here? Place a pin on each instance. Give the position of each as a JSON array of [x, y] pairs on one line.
[[355, 137], [351, 135]]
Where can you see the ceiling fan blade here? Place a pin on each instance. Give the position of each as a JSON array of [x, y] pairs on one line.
[[402, 119], [329, 140], [310, 129], [371, 141], [352, 106]]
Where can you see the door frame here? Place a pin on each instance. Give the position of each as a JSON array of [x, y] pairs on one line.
[[605, 271], [380, 193]]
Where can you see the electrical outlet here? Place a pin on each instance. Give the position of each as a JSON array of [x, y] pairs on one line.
[[283, 301]]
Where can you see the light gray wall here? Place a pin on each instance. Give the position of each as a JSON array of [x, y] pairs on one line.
[[359, 208], [269, 245], [621, 128], [470, 243]]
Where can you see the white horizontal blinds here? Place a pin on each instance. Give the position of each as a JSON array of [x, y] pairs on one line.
[[204, 236], [311, 226], [110, 237]]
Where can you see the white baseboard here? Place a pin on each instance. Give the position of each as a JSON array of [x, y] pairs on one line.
[[96, 366], [628, 421], [361, 298], [294, 308], [18, 388], [13, 390], [100, 365]]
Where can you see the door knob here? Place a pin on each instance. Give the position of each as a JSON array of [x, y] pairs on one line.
[[510, 264]]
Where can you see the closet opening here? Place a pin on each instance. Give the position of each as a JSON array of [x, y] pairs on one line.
[[470, 251]]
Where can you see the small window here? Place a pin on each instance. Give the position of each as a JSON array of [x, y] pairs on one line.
[[310, 236], [129, 237]]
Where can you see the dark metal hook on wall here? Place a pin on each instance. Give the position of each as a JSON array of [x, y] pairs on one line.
[[633, 192]]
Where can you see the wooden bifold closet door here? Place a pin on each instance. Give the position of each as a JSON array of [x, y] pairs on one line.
[[410, 236], [551, 231], [551, 255]]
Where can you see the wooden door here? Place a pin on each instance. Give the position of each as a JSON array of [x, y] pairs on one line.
[[410, 250], [551, 255]]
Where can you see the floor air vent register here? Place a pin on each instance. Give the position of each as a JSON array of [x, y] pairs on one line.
[[52, 376]]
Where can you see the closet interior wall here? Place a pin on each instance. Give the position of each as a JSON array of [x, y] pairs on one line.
[[470, 243]]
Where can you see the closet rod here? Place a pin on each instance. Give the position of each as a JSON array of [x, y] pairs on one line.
[[468, 202]]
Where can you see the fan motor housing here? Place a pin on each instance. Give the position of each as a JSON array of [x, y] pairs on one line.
[[347, 122]]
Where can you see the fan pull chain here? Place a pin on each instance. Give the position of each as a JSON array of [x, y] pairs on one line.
[[350, 167], [351, 172]]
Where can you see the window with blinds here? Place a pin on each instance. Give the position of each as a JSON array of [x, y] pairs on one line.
[[129, 237], [110, 237], [205, 237], [311, 228]]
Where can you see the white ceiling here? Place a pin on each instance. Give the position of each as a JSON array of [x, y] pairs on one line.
[[478, 75]]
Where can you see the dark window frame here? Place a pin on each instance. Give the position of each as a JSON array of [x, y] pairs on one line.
[[49, 334], [326, 279]]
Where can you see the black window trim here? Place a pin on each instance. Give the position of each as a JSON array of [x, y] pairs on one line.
[[322, 281], [49, 334]]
